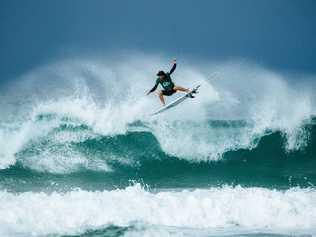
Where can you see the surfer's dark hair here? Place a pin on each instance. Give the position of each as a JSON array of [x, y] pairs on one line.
[[161, 73]]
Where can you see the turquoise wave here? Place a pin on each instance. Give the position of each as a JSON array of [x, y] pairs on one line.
[[138, 156]]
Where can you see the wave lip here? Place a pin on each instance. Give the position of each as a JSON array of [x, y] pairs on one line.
[[226, 207]]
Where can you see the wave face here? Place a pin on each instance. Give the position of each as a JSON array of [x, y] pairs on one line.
[[76, 137], [73, 151]]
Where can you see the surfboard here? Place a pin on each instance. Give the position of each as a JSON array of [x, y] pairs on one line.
[[178, 100]]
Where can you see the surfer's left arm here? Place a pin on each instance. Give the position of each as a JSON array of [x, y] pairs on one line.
[[173, 67]]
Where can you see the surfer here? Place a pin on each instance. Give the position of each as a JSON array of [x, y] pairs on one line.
[[167, 84]]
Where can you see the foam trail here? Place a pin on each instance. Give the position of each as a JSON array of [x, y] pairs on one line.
[[227, 207]]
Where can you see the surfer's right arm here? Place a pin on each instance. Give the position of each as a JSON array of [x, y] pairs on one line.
[[153, 89], [174, 61]]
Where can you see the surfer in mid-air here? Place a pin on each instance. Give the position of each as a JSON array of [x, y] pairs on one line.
[[167, 84]]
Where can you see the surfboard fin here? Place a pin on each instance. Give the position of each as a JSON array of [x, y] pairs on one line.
[[191, 96], [194, 91]]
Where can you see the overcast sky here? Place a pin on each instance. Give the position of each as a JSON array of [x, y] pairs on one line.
[[280, 34]]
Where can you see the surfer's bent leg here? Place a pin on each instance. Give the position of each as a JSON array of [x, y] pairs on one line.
[[160, 94], [179, 88]]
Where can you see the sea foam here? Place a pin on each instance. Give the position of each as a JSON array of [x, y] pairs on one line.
[[232, 208]]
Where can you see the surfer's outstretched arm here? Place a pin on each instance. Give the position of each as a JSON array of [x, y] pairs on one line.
[[173, 67], [153, 89]]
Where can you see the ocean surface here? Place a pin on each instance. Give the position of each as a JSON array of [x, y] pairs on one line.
[[80, 155]]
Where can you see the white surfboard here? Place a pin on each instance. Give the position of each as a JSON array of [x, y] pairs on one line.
[[177, 101]]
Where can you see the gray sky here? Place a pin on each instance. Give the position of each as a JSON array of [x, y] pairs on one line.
[[280, 34]]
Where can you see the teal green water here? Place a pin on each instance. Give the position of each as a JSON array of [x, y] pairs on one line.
[[138, 157], [152, 178]]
